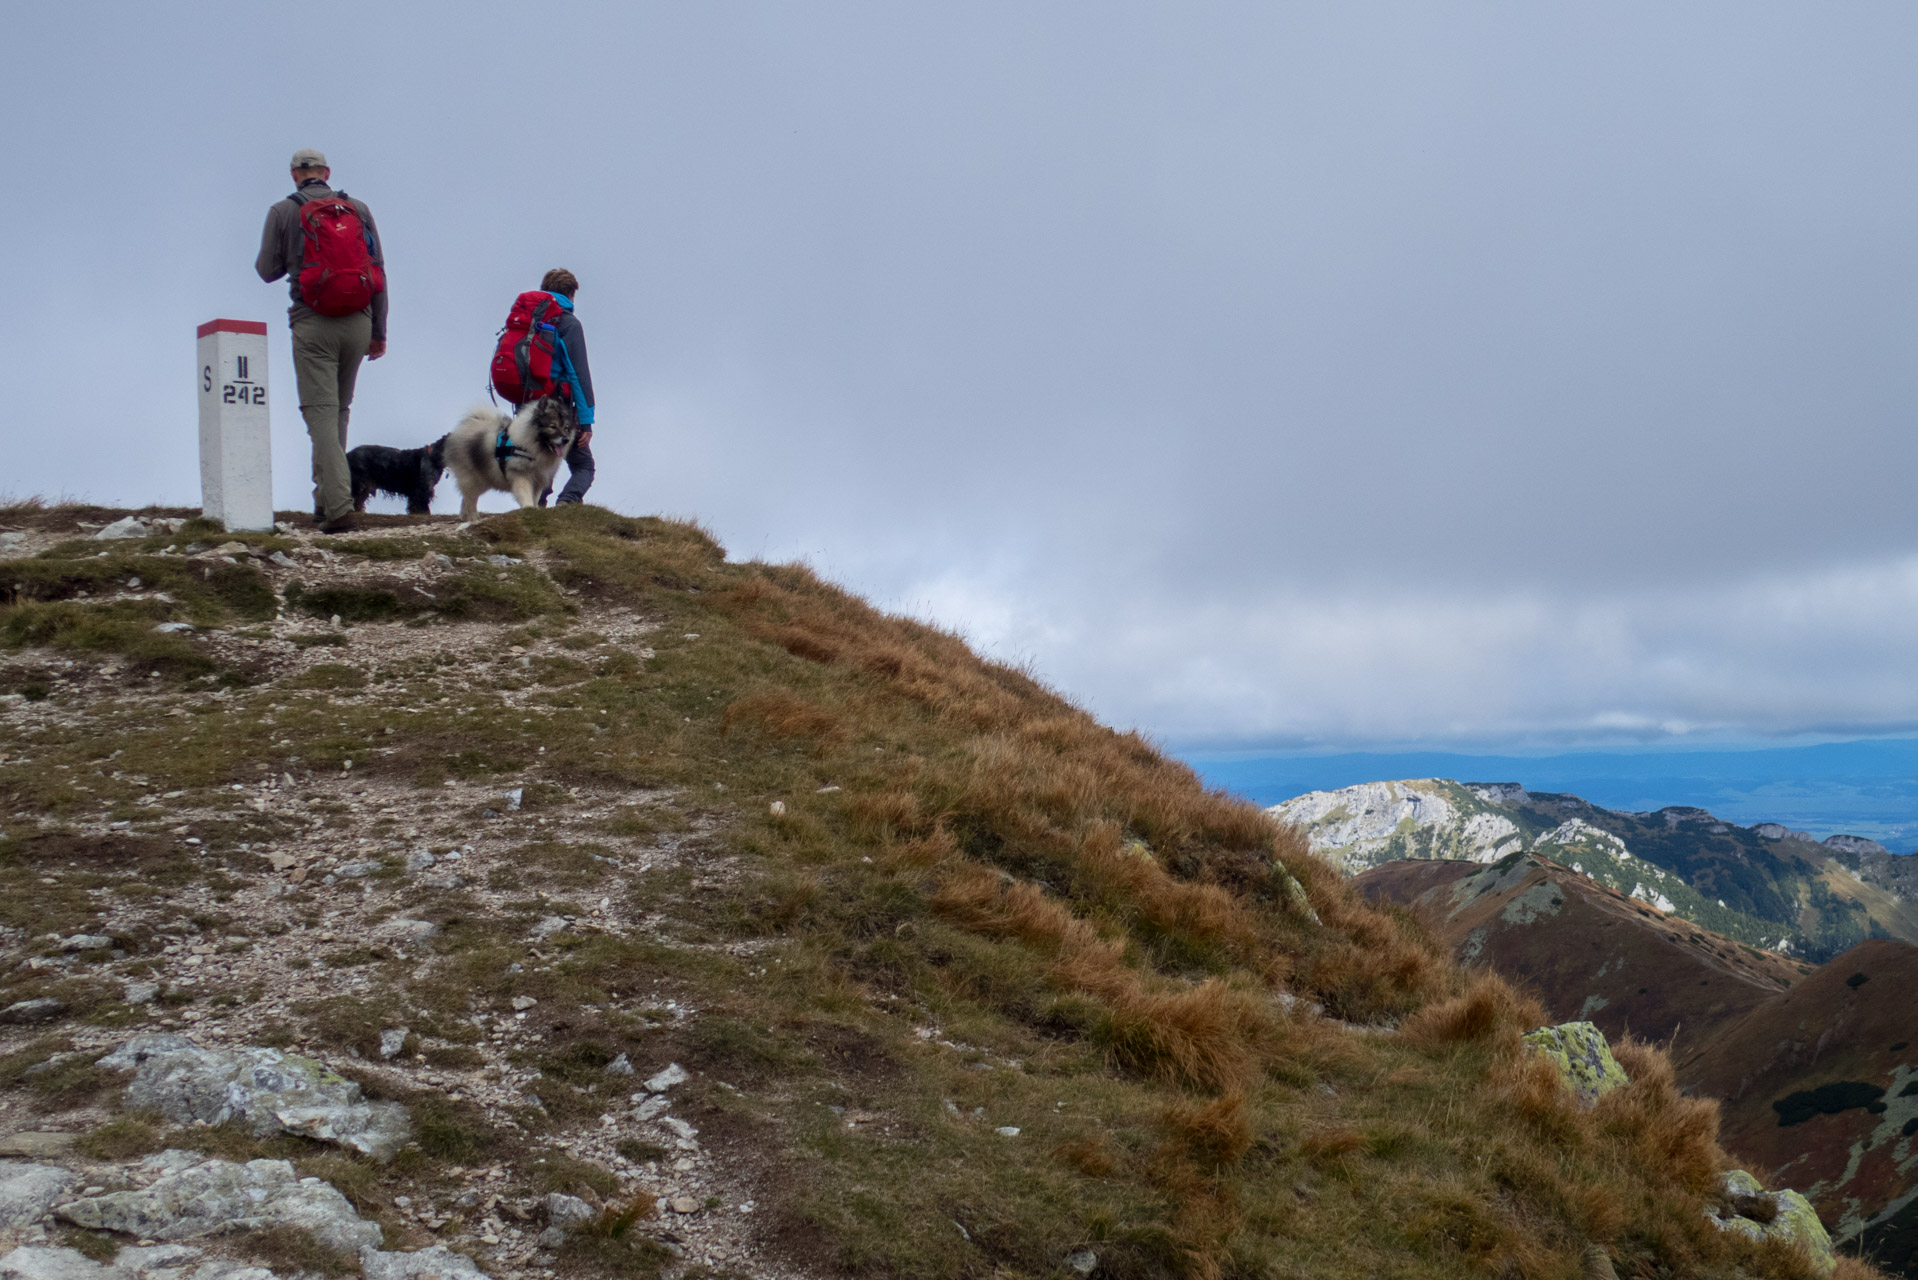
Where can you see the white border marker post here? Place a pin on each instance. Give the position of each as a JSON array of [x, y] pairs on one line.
[[236, 455]]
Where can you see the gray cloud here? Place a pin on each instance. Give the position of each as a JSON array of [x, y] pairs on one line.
[[1823, 651], [1345, 374]]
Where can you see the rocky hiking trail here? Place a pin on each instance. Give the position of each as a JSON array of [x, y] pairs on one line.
[[345, 881]]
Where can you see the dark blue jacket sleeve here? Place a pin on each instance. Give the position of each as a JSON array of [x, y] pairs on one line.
[[572, 339]]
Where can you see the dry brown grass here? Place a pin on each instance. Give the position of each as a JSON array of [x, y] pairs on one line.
[[1487, 1007], [1211, 1135], [1667, 1130], [1094, 1157], [1207, 1036], [1036, 821], [784, 716]]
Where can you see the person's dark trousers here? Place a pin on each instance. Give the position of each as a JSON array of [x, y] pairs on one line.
[[579, 478]]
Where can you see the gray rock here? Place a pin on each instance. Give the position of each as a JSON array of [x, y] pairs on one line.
[[36, 1145], [436, 1263], [547, 927], [265, 1089], [151, 1262], [514, 797], [283, 560], [12, 540], [392, 1041], [142, 992], [1580, 1055], [86, 942], [406, 930], [143, 1259], [27, 1191], [672, 1075], [38, 1262], [620, 1066], [125, 527], [503, 561], [568, 1212], [219, 1269], [419, 861], [34, 1263], [45, 1009], [1746, 1208], [175, 628], [197, 1197], [1083, 1261], [356, 870]]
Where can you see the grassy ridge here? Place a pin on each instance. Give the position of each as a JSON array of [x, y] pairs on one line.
[[966, 908]]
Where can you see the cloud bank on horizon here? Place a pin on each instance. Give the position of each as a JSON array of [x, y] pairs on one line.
[[1261, 374]]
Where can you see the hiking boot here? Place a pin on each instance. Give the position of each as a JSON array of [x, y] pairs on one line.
[[341, 524]]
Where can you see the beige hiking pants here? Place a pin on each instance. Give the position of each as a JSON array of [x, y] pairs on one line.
[[327, 351]]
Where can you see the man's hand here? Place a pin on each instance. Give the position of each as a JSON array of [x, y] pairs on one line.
[[376, 349], [585, 438]]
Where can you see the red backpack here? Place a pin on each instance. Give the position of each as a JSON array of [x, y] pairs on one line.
[[524, 359], [337, 273]]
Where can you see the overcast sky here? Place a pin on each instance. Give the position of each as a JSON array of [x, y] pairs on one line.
[[1475, 375]]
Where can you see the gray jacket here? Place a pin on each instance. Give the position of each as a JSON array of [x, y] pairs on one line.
[[283, 250]]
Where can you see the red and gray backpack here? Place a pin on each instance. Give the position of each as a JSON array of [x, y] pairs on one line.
[[525, 359], [337, 273]]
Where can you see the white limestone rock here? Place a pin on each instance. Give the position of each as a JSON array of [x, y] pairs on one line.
[[193, 1197], [27, 1191], [125, 527], [1375, 822], [666, 1079], [436, 1263], [265, 1089]]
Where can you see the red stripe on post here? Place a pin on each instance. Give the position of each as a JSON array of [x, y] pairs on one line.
[[233, 326]]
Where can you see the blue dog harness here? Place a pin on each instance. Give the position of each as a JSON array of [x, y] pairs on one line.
[[504, 448]]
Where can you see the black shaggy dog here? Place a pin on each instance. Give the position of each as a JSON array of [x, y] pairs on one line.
[[404, 473]]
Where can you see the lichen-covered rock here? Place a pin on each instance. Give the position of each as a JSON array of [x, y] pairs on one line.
[[1747, 1208], [436, 1263], [1294, 894], [1581, 1056], [196, 1197], [265, 1089], [27, 1191], [23, 1012], [155, 1262]]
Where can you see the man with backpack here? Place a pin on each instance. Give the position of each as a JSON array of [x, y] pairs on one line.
[[326, 243], [542, 352]]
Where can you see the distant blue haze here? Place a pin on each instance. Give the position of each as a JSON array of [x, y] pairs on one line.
[[1867, 788]]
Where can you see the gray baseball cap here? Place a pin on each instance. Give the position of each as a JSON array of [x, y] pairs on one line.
[[308, 158]]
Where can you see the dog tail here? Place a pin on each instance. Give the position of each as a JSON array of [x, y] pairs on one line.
[[480, 418]]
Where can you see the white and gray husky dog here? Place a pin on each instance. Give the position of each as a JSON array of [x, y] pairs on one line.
[[517, 455]]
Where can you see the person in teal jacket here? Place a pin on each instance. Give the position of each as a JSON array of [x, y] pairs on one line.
[[570, 356]]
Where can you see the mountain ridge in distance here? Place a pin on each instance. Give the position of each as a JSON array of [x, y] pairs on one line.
[[1765, 886]]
